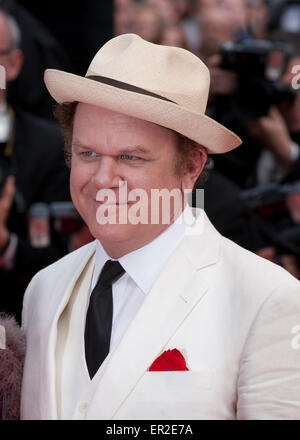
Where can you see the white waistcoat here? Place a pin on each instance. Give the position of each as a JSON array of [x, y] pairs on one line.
[[73, 384]]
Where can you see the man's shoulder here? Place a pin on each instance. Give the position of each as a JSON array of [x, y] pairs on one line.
[[51, 282], [239, 277], [255, 283], [252, 265], [235, 264]]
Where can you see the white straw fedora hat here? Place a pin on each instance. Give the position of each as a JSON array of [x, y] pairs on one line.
[[165, 85]]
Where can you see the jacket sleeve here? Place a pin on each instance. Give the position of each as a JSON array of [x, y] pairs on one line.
[[26, 301], [269, 379]]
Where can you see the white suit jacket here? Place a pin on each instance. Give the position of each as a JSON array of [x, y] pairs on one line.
[[234, 316]]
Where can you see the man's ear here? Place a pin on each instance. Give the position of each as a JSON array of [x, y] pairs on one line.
[[14, 64], [196, 164]]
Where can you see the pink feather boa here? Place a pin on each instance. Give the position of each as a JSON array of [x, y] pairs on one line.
[[11, 368]]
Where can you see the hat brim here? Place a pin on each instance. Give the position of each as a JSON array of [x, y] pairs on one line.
[[67, 87]]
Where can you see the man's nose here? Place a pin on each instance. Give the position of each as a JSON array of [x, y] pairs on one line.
[[107, 173]]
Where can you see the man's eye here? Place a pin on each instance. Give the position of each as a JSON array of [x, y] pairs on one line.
[[129, 157], [88, 154]]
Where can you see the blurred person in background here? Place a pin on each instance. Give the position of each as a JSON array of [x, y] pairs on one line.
[[215, 28], [148, 22], [167, 9], [285, 16], [190, 25], [278, 132], [41, 50], [291, 113], [236, 10], [173, 35], [204, 5], [244, 15], [231, 20], [229, 213], [225, 93], [257, 18], [184, 31], [183, 7], [123, 16], [32, 171]]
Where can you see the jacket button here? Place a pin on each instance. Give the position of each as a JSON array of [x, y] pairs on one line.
[[83, 407]]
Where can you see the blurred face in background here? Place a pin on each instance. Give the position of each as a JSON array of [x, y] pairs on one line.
[[236, 9], [204, 5], [166, 9], [10, 58], [291, 112], [147, 23], [184, 7], [123, 16], [173, 36], [257, 16], [215, 29]]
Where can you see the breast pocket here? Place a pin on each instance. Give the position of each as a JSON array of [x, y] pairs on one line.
[[180, 381], [172, 394]]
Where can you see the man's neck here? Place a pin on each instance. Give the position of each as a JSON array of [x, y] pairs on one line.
[[120, 248]]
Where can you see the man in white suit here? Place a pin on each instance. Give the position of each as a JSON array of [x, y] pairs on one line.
[[190, 325]]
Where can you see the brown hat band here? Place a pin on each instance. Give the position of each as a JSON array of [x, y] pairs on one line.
[[126, 86]]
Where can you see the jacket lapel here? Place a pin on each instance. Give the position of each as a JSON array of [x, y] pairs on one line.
[[56, 307], [181, 285]]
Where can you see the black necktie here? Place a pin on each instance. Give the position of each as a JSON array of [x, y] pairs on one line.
[[99, 317]]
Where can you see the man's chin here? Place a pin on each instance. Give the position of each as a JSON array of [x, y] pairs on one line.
[[112, 232]]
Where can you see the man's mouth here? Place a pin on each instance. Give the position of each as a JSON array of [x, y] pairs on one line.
[[110, 204]]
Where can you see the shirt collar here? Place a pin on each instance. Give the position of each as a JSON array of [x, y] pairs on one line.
[[143, 265]]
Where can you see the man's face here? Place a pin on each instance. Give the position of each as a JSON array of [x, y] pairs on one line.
[[109, 148], [10, 59]]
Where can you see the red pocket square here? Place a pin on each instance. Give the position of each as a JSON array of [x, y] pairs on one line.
[[169, 360]]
